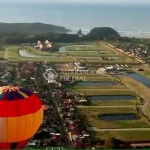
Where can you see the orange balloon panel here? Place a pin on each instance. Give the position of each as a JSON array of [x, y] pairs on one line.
[[15, 129]]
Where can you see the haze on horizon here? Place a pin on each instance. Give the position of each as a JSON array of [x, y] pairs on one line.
[[75, 14]]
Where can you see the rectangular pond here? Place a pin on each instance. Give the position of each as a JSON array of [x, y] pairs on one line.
[[140, 78], [120, 117], [112, 97], [96, 83]]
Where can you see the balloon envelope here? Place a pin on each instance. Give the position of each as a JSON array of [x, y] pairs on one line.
[[21, 114]]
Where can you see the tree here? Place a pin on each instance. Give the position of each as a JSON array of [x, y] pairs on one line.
[[103, 32]]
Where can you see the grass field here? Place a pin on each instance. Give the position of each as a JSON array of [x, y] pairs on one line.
[[92, 119], [92, 88], [105, 91], [96, 47], [70, 56], [91, 114], [145, 72], [93, 78], [90, 76], [141, 89], [122, 135], [109, 62], [82, 54], [13, 55], [114, 102], [1, 54]]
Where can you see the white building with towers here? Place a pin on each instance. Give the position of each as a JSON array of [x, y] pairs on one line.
[[47, 44]]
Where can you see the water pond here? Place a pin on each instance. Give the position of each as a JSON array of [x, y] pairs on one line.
[[140, 78], [96, 83], [112, 97], [124, 116]]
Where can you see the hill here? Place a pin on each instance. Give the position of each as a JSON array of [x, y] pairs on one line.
[[103, 32], [31, 28]]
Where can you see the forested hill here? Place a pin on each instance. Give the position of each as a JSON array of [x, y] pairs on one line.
[[95, 34], [103, 32], [31, 28]]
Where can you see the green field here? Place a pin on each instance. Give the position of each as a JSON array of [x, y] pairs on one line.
[[105, 91], [1, 54], [70, 56], [82, 54], [92, 119], [114, 102], [81, 87], [13, 55], [90, 115], [96, 47], [122, 135], [109, 62]]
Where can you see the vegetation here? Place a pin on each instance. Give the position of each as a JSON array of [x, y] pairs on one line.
[[29, 33], [105, 91], [103, 32], [31, 28], [139, 88], [92, 118], [122, 135], [114, 103]]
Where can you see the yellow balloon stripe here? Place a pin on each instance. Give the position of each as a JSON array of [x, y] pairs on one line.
[[16, 129], [23, 94]]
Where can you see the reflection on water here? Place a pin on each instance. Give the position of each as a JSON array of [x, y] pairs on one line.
[[140, 78], [112, 97], [96, 83], [25, 54], [120, 117]]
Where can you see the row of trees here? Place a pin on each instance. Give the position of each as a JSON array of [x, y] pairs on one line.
[[95, 34]]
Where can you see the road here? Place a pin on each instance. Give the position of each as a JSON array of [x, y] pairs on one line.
[[123, 129], [68, 142], [5, 54]]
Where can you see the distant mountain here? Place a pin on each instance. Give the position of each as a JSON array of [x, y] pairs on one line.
[[103, 32], [33, 28]]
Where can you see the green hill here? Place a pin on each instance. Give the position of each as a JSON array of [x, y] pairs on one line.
[[31, 28], [103, 32]]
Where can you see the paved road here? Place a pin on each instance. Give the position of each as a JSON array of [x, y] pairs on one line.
[[79, 106], [5, 54], [124, 129]]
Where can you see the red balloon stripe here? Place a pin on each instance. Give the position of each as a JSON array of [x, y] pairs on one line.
[[20, 107]]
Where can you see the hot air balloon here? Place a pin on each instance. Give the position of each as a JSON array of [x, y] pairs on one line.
[[21, 114]]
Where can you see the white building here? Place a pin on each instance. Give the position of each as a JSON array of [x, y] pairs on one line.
[[47, 44]]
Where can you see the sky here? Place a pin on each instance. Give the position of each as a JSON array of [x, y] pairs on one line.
[[79, 1]]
